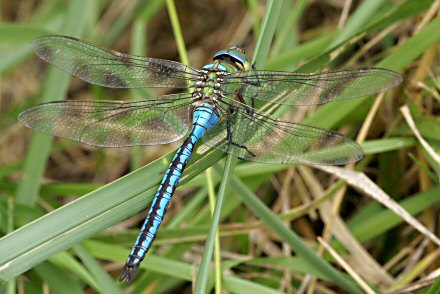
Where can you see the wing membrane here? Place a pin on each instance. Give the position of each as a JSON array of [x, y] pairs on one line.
[[113, 124], [109, 68], [273, 141], [310, 89]]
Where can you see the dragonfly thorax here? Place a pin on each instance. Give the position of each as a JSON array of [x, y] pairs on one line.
[[212, 75], [209, 84]]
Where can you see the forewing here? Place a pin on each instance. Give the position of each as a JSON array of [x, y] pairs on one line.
[[113, 124], [274, 141], [109, 68], [310, 89]]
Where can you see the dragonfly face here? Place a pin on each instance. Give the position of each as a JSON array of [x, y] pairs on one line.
[[222, 118], [234, 55]]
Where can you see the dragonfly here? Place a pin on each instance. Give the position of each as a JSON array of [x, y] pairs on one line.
[[218, 108]]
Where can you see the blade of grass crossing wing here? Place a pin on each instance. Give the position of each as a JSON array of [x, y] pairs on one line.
[[260, 55]]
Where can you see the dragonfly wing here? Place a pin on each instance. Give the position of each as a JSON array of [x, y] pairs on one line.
[[310, 89], [112, 123], [263, 139], [109, 68]]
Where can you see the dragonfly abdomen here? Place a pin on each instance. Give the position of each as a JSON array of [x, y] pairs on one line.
[[204, 118]]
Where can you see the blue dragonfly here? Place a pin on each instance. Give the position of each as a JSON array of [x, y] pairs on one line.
[[220, 103]]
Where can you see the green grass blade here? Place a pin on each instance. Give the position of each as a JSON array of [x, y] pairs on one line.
[[137, 47], [18, 34], [58, 281], [294, 241], [385, 220], [105, 282], [387, 144], [435, 288], [146, 8], [202, 275], [88, 215], [260, 56], [177, 31], [69, 263], [287, 60], [236, 285], [413, 47], [287, 29], [20, 50], [11, 285], [266, 34], [358, 20], [217, 255]]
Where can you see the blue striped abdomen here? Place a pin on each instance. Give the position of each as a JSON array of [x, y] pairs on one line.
[[204, 118]]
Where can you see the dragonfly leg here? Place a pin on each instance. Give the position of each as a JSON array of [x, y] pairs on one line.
[[239, 93], [243, 147], [258, 85], [229, 133]]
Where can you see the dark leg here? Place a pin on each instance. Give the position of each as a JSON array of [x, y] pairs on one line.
[[229, 133], [240, 91], [258, 85], [239, 94]]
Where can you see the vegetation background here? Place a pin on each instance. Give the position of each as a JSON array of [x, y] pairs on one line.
[[70, 212]]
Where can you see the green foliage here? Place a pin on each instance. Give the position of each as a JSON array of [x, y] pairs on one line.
[[62, 204]]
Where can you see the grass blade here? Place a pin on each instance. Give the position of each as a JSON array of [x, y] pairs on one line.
[[202, 275], [88, 215], [260, 55], [290, 237]]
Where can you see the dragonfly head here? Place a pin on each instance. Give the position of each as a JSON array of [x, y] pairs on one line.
[[234, 55]]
